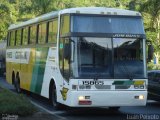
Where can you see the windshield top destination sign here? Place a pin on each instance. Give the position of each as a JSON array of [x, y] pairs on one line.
[[127, 35]]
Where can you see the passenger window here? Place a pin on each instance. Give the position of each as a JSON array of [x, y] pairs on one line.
[[65, 24], [25, 36], [12, 40], [33, 33], [18, 37], [8, 38], [52, 33], [42, 33]]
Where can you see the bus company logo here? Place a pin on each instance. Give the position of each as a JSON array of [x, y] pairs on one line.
[[18, 56], [64, 93], [9, 54], [51, 58], [21, 55]]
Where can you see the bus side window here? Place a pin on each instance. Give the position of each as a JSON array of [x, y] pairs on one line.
[[8, 38], [52, 32], [33, 33], [64, 62], [18, 37], [42, 33], [12, 40], [25, 36], [65, 25], [61, 45]]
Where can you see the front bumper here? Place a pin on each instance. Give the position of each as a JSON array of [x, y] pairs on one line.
[[107, 98]]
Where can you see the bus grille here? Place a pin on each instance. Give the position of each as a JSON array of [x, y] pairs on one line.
[[122, 86], [103, 86]]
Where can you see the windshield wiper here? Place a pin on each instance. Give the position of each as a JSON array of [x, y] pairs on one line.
[[97, 76], [126, 70], [130, 75]]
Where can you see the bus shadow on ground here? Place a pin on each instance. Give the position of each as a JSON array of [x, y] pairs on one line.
[[93, 113], [155, 104]]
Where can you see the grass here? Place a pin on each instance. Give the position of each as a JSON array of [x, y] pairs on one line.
[[16, 104]]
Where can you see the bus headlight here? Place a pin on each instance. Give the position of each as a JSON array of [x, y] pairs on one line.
[[140, 97], [81, 98]]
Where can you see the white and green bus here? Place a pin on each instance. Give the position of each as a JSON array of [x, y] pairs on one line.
[[80, 57]]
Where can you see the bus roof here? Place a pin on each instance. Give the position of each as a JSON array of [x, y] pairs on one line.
[[80, 10]]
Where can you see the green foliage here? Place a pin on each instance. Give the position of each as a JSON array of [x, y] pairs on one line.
[[152, 36], [151, 66], [4, 11], [152, 7], [8, 15], [13, 11], [151, 13], [15, 104]]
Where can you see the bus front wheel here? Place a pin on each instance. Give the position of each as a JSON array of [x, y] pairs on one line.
[[55, 104]]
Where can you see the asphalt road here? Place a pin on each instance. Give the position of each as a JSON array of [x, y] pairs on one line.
[[149, 112]]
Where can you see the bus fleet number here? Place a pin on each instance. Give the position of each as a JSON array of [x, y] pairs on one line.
[[93, 83]]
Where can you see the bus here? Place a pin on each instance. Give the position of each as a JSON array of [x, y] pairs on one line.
[[80, 57], [2, 57]]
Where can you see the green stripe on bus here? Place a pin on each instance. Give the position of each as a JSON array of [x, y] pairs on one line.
[[118, 83], [38, 69], [128, 82]]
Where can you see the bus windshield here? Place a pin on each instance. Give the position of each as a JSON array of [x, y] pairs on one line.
[[109, 58], [107, 24]]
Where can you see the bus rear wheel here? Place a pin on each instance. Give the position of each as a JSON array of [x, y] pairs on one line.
[[17, 84]]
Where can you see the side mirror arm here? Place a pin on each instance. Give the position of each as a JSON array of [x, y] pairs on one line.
[[150, 50]]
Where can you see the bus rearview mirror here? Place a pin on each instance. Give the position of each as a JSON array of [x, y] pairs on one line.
[[150, 50]]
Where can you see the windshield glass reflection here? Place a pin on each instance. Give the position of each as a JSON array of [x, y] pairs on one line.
[[94, 57], [108, 58], [128, 58]]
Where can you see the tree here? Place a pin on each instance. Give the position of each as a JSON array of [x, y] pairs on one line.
[[24, 10], [151, 9], [41, 6], [5, 18]]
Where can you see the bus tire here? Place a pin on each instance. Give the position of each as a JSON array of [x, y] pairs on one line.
[[17, 84], [53, 96], [13, 78]]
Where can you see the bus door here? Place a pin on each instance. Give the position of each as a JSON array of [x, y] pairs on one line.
[[64, 56]]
